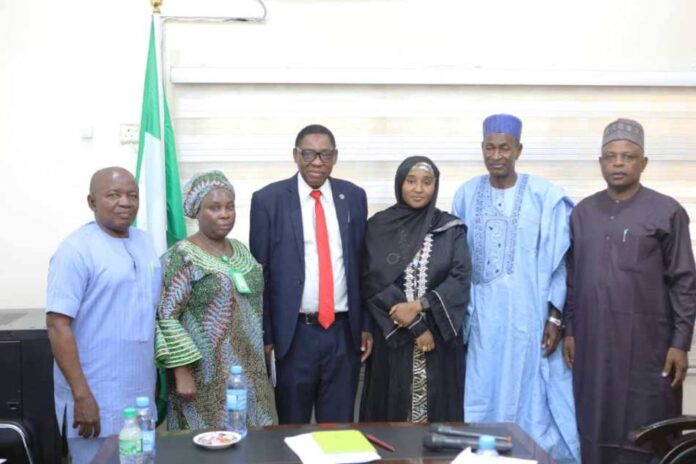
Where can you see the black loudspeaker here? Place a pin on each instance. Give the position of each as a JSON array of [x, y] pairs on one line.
[[26, 388]]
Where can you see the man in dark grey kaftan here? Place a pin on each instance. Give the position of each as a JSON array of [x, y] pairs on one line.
[[631, 303]]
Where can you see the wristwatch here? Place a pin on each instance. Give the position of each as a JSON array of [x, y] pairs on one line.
[[555, 321]]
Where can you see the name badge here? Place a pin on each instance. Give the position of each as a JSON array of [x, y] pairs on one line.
[[240, 282]]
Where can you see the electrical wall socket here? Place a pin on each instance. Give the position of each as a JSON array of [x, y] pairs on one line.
[[129, 133]]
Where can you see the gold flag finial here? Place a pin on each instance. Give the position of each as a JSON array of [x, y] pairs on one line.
[[156, 5]]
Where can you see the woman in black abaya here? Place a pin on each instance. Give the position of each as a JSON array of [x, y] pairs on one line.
[[416, 280]]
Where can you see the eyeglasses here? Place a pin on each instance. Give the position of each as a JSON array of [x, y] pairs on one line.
[[310, 155]]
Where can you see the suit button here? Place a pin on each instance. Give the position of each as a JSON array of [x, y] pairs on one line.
[[299, 282]]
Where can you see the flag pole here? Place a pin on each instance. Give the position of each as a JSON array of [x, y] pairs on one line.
[[160, 71], [159, 46]]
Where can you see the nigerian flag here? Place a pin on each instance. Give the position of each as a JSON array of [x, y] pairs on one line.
[[161, 213]]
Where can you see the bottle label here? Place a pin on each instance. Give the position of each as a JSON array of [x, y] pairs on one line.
[[236, 399], [130, 447], [148, 441]]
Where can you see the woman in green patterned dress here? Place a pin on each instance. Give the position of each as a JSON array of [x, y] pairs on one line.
[[209, 317]]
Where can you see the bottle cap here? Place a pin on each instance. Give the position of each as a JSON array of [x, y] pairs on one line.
[[486, 442], [236, 370], [142, 402], [130, 413]]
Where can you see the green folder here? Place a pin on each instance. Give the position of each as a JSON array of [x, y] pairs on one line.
[[342, 441]]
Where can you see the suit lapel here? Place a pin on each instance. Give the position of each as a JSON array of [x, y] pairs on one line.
[[343, 214], [295, 213]]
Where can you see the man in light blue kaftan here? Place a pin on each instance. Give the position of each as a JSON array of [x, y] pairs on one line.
[[518, 234], [103, 287]]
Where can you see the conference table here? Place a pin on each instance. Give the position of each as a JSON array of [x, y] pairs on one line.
[[266, 445]]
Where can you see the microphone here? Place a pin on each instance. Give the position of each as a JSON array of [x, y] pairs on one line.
[[449, 430], [436, 441]]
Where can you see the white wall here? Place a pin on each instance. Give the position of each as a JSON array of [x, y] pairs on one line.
[[65, 67], [70, 68], [629, 35], [74, 67]]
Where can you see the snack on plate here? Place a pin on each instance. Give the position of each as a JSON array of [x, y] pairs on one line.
[[217, 439]]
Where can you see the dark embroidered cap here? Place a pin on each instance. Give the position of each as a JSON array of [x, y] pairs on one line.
[[624, 129]]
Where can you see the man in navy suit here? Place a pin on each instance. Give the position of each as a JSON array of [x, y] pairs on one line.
[[307, 232]]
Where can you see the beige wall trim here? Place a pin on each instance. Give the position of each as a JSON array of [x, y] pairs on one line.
[[426, 76], [393, 148]]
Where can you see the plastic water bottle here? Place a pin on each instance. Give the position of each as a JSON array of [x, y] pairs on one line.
[[130, 439], [236, 401], [147, 426], [486, 448]]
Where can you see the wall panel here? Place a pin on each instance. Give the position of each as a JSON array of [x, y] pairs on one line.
[[248, 131]]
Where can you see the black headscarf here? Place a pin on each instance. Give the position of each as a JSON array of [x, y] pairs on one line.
[[395, 235]]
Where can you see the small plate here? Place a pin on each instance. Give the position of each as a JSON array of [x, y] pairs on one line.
[[217, 439]]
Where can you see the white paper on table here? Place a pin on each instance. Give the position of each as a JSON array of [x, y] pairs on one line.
[[469, 457], [309, 452]]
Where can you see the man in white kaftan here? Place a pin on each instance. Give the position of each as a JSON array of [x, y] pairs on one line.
[[518, 234]]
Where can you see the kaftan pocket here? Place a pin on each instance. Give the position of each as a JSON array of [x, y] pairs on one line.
[[637, 253]]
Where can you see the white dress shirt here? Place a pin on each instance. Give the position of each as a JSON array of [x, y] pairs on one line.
[[310, 294]]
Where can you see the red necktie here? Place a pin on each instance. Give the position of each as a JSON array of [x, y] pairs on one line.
[[326, 291]]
